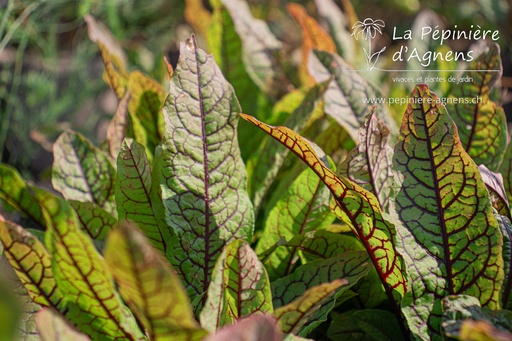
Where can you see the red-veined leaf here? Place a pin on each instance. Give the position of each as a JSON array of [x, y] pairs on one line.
[[450, 238]]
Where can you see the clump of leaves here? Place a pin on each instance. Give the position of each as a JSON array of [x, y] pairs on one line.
[[162, 232]]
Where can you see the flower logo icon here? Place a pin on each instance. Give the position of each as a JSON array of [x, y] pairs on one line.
[[368, 29]]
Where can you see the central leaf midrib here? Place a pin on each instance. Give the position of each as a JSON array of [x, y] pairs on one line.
[[206, 181], [440, 211]]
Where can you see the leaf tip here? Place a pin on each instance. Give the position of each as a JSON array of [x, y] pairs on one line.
[[190, 43]]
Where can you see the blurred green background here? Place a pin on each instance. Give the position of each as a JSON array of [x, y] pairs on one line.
[[51, 73]]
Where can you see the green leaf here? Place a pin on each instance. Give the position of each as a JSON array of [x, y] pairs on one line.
[[302, 208], [370, 164], [370, 290], [202, 177], [286, 106], [18, 194], [134, 194], [321, 244], [32, 264], [53, 327], [344, 97], [266, 162], [94, 221], [83, 278], [258, 45], [449, 232], [83, 173], [325, 244], [150, 286], [226, 46], [481, 123], [147, 97], [351, 266], [465, 319], [506, 230], [296, 314], [335, 141], [239, 288], [496, 188], [253, 328], [367, 325], [355, 206]]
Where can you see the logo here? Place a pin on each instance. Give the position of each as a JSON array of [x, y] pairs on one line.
[[414, 57], [368, 29]]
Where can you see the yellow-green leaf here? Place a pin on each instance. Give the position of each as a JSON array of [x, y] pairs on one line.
[[297, 313], [32, 264], [94, 221], [83, 278], [150, 286], [18, 194]]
